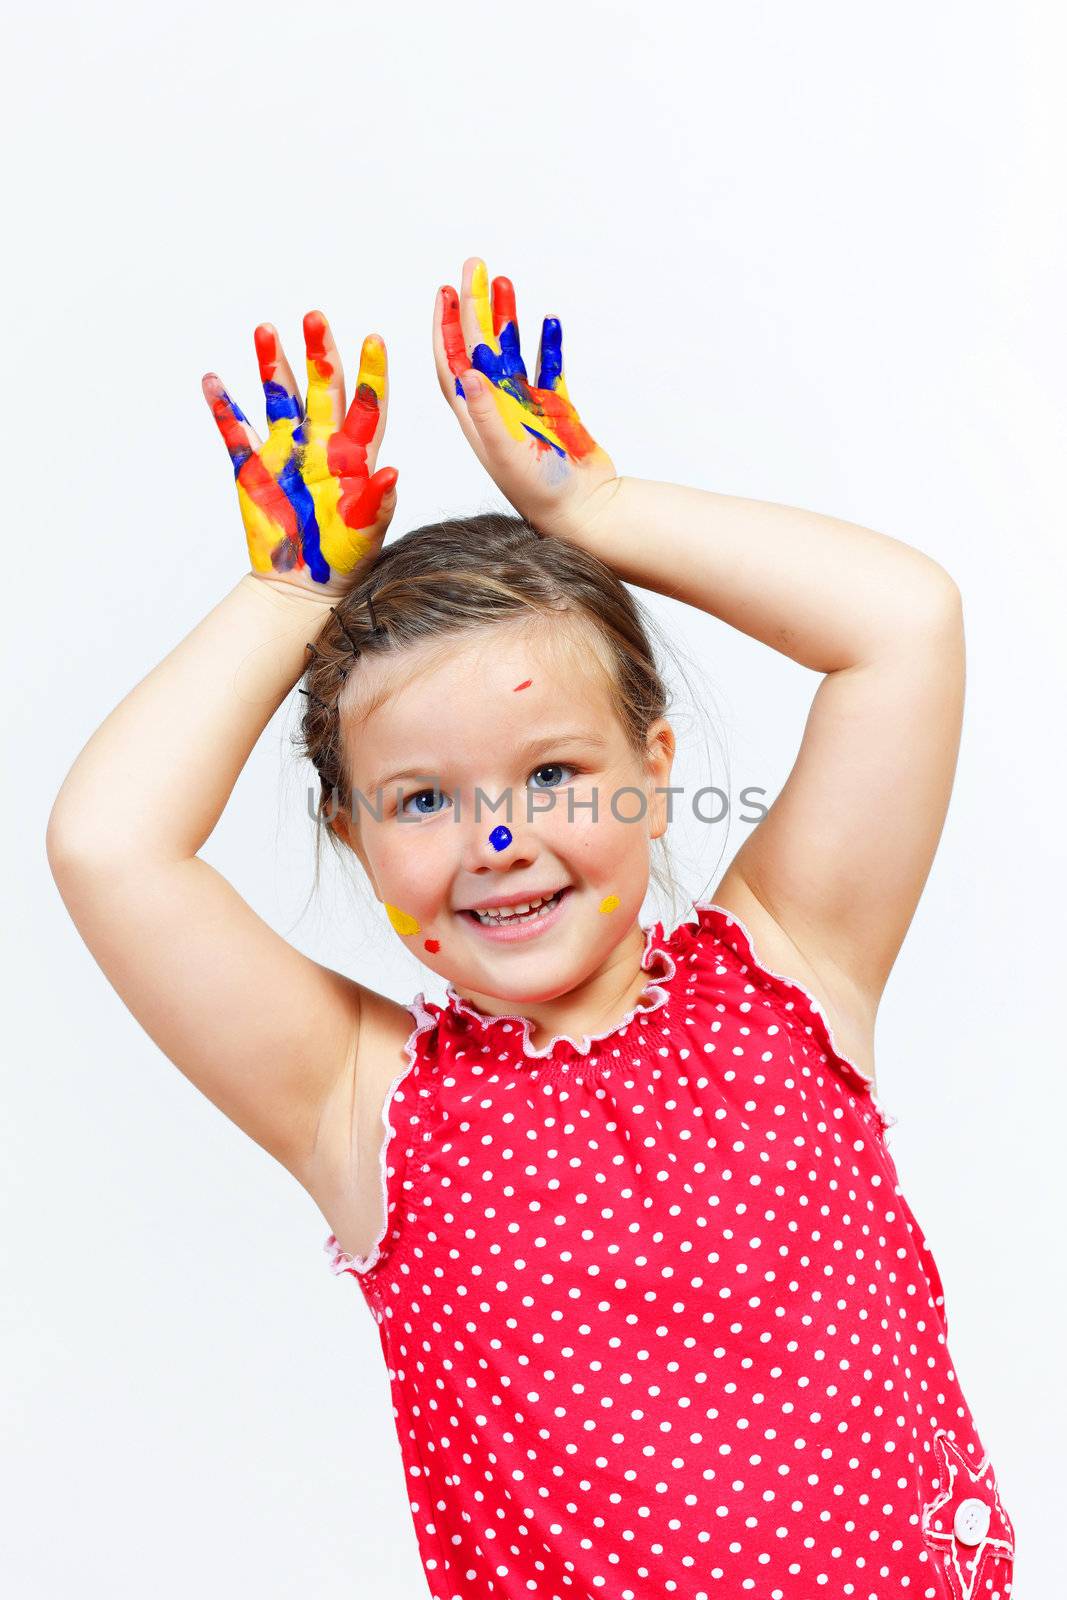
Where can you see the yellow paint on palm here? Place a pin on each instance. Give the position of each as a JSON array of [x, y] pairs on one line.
[[277, 448], [516, 417], [261, 530], [402, 922], [335, 540], [610, 902]]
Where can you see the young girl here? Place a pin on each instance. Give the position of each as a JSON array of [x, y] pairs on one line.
[[656, 1315]]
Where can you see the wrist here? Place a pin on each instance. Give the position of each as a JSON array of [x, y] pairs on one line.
[[290, 599], [588, 524]]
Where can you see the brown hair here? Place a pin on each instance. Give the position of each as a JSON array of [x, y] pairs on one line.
[[462, 575]]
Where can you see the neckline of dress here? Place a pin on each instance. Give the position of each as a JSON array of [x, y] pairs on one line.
[[654, 995]]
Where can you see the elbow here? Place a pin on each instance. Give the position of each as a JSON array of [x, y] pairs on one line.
[[937, 600], [65, 846], [58, 845]]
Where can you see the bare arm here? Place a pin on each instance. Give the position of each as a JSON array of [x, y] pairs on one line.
[[260, 1028], [263, 1031], [840, 861], [842, 856]]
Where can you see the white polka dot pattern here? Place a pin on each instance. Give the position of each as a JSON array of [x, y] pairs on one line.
[[657, 1318]]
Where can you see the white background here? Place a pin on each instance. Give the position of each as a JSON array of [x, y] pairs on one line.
[[812, 254]]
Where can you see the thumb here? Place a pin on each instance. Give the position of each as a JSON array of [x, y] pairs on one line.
[[482, 408]]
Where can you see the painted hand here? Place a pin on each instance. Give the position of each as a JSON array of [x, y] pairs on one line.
[[315, 512], [528, 437]]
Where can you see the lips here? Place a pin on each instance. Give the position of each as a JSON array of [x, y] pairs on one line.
[[516, 929]]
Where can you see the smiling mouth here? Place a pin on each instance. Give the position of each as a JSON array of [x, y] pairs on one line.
[[510, 916]]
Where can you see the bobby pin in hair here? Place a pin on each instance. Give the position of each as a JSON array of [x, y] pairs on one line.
[[344, 630], [318, 701], [375, 624]]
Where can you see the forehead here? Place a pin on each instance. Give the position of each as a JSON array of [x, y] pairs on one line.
[[491, 683]]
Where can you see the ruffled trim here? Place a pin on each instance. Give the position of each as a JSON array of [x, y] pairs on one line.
[[425, 1017], [721, 921], [655, 996]]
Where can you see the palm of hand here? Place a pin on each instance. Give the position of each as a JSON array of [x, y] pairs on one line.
[[312, 510]]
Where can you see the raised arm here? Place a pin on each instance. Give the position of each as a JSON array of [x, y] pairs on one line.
[[842, 856], [840, 860], [262, 1030]]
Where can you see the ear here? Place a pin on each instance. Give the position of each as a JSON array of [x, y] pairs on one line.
[[343, 826], [659, 758]]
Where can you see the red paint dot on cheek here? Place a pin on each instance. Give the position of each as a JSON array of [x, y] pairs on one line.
[[432, 945]]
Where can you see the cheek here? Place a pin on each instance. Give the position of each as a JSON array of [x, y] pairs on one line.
[[412, 869], [608, 845]]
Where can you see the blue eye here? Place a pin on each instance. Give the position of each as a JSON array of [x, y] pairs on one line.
[[552, 766], [434, 794], [430, 795]]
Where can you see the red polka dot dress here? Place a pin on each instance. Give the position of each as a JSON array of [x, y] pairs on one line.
[[656, 1315]]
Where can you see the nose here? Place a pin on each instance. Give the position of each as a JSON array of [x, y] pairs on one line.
[[495, 844]]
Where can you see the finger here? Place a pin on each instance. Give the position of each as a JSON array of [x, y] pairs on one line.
[[366, 515], [495, 436], [238, 434], [361, 508], [448, 331], [279, 385], [268, 515], [475, 311], [506, 328], [550, 358], [326, 379], [452, 361], [365, 421]]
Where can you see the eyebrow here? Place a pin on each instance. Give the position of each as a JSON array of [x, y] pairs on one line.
[[525, 751]]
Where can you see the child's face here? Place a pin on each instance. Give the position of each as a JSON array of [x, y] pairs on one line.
[[525, 723]]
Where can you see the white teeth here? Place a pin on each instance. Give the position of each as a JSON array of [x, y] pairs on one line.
[[506, 914]]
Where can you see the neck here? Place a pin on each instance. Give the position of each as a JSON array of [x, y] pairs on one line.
[[595, 1005]]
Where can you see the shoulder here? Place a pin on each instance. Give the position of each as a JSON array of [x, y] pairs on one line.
[[850, 1013]]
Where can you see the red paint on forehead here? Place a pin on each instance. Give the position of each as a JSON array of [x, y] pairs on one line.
[[519, 686]]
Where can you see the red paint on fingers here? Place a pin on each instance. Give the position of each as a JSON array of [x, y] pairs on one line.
[[503, 304], [452, 333], [315, 339], [266, 352], [359, 505]]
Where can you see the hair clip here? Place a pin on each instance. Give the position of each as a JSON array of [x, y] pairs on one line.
[[344, 630], [316, 698], [313, 650], [375, 624]]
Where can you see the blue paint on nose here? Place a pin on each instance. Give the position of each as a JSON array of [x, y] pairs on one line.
[[500, 837]]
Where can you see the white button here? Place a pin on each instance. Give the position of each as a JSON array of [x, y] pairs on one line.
[[971, 1523]]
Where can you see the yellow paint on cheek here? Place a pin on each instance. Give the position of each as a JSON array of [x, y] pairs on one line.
[[609, 902], [400, 920]]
